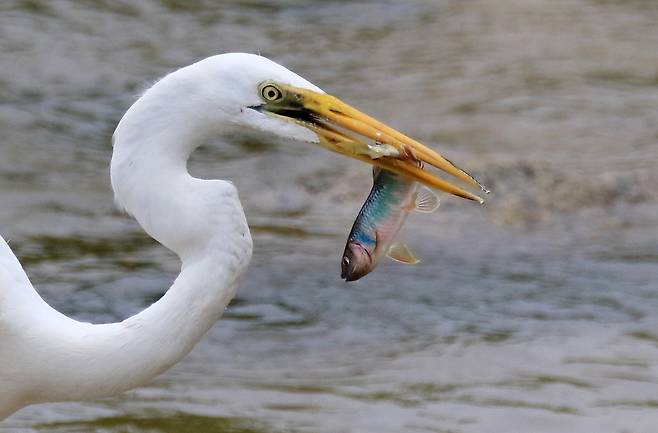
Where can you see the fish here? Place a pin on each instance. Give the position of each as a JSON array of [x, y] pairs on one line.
[[391, 199]]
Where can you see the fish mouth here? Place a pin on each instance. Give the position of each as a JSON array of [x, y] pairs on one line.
[[347, 131], [356, 263]]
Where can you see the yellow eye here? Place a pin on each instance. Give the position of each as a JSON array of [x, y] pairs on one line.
[[271, 93]]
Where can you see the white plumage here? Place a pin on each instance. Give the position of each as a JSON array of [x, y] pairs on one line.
[[46, 356]]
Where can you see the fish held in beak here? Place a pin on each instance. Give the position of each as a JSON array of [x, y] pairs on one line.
[[382, 215]]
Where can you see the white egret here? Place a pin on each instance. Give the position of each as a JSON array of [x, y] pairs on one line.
[[46, 356]]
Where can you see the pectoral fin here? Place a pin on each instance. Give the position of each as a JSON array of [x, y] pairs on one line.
[[401, 253], [426, 200]]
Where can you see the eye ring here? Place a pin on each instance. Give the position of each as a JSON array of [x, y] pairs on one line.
[[270, 93], [346, 261]]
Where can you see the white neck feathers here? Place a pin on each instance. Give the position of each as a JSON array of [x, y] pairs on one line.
[[200, 220]]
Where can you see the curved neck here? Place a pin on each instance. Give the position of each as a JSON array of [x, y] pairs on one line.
[[77, 360], [152, 144], [200, 220]]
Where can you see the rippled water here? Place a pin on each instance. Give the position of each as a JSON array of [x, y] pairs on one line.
[[536, 312]]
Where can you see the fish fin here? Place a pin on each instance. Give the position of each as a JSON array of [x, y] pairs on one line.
[[426, 201], [401, 253]]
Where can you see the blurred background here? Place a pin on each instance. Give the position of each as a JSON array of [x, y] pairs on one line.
[[535, 312]]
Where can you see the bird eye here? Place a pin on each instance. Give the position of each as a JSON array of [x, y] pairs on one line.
[[271, 93], [346, 260]]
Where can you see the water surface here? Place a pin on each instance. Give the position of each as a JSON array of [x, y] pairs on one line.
[[536, 312]]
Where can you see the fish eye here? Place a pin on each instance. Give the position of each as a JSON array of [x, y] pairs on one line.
[[270, 93]]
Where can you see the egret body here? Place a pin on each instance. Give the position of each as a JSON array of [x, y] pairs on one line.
[[46, 356]]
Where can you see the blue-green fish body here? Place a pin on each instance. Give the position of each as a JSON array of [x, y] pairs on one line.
[[391, 199]]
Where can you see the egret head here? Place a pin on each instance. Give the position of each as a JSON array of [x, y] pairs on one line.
[[275, 100], [237, 92]]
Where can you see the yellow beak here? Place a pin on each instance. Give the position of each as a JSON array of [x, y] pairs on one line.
[[333, 120]]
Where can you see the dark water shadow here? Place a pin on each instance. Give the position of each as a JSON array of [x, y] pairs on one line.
[[160, 423]]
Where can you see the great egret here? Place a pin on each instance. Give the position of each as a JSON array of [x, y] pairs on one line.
[[46, 356]]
